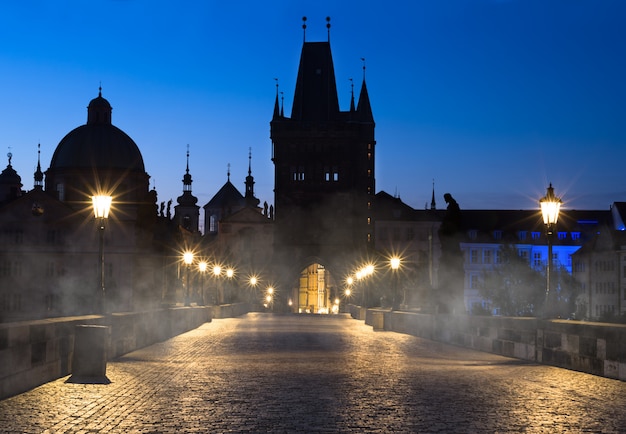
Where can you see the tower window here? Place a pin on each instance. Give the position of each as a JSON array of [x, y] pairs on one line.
[[297, 173]]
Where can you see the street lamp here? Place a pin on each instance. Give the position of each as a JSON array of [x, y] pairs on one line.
[[550, 207], [188, 260], [101, 208], [202, 267], [217, 271], [394, 263]]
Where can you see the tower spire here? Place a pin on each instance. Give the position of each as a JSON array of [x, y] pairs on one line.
[[251, 201], [352, 95], [187, 178], [276, 106], [38, 172], [303, 29], [433, 205], [328, 27], [228, 172]]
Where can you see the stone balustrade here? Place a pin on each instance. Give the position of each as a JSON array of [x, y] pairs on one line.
[[595, 348]]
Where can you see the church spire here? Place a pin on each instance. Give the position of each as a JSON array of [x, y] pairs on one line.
[[364, 108], [433, 205], [352, 96], [187, 178], [38, 172], [251, 201], [276, 105]]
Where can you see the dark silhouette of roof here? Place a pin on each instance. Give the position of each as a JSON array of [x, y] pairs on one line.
[[228, 197], [97, 144], [315, 98]]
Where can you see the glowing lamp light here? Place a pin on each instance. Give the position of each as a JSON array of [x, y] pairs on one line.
[[348, 292], [230, 273], [217, 270], [253, 281], [270, 290], [202, 266], [550, 207], [395, 263], [188, 258], [101, 205], [350, 280]]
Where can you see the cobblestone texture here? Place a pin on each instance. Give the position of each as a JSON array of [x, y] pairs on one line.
[[303, 374]]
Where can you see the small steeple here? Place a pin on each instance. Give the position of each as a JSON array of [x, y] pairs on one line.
[[251, 201], [228, 172], [186, 213], [303, 29], [187, 177], [352, 109], [38, 172], [433, 205], [328, 27], [364, 108], [276, 105]]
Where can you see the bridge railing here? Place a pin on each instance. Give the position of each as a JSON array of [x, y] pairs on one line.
[[35, 352], [595, 348]]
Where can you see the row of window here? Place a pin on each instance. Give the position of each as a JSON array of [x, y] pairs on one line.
[[605, 288], [523, 235], [16, 236], [331, 174]]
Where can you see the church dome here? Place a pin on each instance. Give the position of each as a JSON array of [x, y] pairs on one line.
[[97, 144]]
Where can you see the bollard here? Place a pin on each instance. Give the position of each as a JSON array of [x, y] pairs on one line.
[[91, 344]]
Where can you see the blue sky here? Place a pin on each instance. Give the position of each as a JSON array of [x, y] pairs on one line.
[[491, 99]]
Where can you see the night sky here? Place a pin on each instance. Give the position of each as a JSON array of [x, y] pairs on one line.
[[491, 99]]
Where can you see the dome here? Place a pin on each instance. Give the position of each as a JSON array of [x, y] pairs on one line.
[[98, 144]]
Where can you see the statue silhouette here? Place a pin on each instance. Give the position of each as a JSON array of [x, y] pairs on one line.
[[450, 292]]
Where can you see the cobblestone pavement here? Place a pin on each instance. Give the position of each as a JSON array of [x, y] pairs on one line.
[[289, 373]]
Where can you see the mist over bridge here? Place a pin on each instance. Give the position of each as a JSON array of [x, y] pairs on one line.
[[265, 372]]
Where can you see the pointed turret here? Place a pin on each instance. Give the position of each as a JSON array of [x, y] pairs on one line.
[[364, 109], [187, 213], [276, 105], [251, 201], [433, 204], [38, 173]]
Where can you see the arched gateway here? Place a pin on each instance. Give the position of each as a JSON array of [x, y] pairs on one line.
[[316, 290]]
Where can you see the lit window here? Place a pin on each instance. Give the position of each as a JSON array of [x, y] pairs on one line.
[[575, 235], [562, 235], [536, 235]]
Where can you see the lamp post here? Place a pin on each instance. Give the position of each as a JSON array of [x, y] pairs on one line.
[[188, 260], [217, 271], [550, 207], [202, 267], [394, 263], [101, 208]]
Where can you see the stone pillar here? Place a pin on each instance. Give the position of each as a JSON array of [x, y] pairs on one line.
[[91, 344]]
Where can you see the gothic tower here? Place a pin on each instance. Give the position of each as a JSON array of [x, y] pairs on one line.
[[323, 159]]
